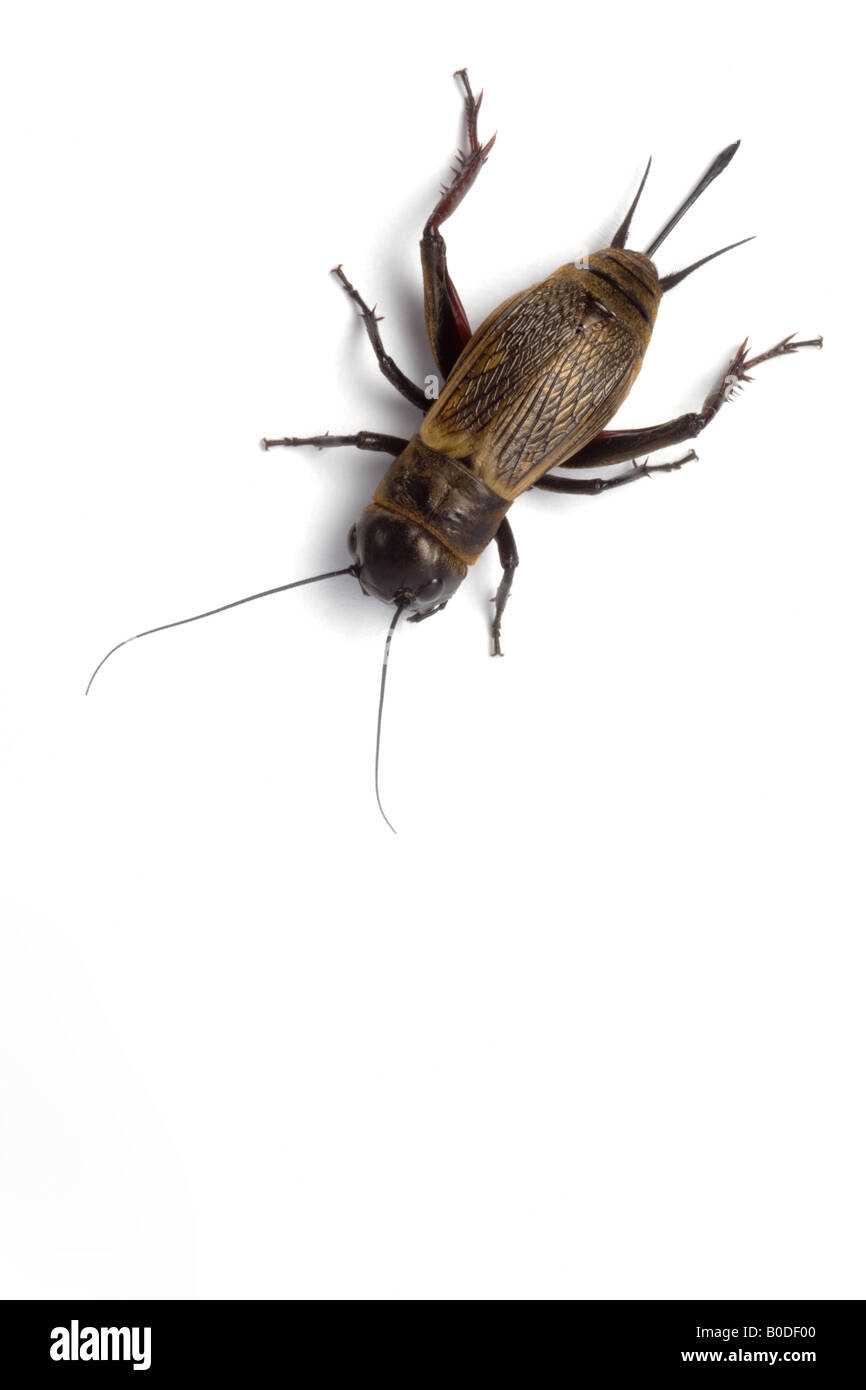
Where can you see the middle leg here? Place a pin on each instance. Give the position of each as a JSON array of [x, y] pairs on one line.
[[590, 486], [387, 366]]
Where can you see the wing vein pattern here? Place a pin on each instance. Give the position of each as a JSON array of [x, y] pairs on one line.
[[541, 377]]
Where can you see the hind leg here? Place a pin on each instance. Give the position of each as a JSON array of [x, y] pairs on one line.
[[620, 446], [447, 324]]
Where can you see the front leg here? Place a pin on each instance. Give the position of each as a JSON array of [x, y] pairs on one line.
[[509, 560], [367, 440], [447, 324], [619, 446]]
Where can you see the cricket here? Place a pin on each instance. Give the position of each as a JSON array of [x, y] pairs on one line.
[[530, 391]]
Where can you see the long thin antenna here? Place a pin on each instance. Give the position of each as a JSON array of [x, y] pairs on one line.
[[619, 239], [720, 162], [265, 593], [667, 282], [394, 621]]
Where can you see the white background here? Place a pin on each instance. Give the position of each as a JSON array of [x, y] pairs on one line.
[[591, 1026]]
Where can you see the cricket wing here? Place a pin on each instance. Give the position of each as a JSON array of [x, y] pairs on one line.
[[540, 378]]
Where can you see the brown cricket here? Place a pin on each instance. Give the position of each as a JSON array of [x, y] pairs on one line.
[[529, 391]]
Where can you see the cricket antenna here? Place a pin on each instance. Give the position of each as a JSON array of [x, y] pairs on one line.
[[394, 620], [720, 162], [265, 593], [619, 239]]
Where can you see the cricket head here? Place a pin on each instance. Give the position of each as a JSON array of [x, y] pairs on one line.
[[400, 562]]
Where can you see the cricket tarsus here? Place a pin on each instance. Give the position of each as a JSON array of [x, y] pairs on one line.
[[740, 365], [785, 346], [468, 163]]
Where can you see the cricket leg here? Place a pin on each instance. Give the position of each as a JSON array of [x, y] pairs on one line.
[[387, 366], [447, 325], [618, 446], [590, 486], [509, 560], [365, 439]]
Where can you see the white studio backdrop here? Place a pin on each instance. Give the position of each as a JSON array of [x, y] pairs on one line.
[[591, 1025]]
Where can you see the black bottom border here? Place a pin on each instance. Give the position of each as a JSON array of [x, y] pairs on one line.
[[245, 1339]]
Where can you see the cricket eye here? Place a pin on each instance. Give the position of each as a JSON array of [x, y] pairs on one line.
[[429, 590], [352, 539]]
